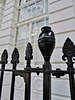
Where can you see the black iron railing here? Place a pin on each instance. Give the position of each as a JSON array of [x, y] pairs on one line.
[[46, 43]]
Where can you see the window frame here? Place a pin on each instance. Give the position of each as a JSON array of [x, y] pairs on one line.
[[32, 17]]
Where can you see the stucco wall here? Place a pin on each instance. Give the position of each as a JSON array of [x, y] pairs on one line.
[[62, 22]]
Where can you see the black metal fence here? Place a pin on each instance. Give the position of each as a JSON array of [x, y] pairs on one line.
[[46, 43]]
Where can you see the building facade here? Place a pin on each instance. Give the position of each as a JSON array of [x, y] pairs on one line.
[[20, 23]]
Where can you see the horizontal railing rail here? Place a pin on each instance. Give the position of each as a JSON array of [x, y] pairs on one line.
[[40, 70]]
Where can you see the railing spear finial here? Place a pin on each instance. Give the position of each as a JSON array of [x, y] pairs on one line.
[[29, 55], [69, 54]]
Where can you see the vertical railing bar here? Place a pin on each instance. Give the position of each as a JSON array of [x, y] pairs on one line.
[[12, 84], [28, 57], [47, 82], [3, 61], [72, 86], [27, 85], [1, 79], [14, 61]]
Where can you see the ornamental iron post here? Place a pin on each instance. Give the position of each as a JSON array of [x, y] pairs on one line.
[[46, 44], [69, 52]]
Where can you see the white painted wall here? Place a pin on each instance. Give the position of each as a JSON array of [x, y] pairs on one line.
[[7, 41], [2, 6], [62, 21]]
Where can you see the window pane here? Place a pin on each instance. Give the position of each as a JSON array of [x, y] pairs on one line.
[[22, 40], [24, 32], [33, 9]]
